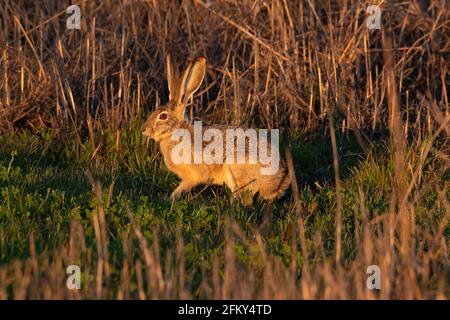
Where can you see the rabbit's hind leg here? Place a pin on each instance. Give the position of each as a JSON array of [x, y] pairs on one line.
[[246, 196], [242, 189], [273, 189]]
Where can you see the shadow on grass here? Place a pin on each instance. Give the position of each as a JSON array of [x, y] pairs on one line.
[[44, 187]]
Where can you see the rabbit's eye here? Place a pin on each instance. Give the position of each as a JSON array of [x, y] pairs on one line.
[[163, 116]]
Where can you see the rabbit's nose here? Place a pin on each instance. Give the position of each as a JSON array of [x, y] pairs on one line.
[[143, 127]]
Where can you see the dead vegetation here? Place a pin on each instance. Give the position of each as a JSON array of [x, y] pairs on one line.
[[303, 66]]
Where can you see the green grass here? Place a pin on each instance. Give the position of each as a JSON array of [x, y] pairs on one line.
[[43, 186]]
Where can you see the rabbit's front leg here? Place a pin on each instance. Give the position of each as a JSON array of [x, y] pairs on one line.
[[184, 186]]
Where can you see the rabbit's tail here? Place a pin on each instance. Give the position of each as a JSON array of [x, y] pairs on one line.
[[280, 191]]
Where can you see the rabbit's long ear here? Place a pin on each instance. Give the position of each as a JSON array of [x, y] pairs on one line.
[[190, 82], [172, 78]]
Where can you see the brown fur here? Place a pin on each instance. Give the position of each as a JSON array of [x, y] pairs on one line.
[[244, 180]]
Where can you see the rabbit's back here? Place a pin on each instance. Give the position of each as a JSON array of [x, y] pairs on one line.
[[235, 168]]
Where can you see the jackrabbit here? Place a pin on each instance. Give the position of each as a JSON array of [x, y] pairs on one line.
[[244, 179]]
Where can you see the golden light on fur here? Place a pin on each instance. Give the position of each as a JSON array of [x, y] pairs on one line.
[[244, 180]]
